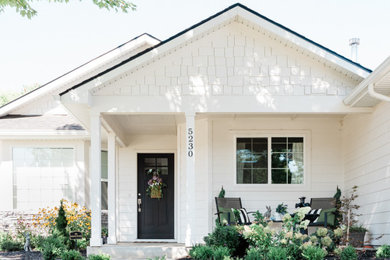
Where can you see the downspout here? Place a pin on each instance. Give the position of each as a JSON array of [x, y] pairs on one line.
[[374, 94]]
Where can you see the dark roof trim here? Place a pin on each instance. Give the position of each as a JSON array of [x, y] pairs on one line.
[[204, 21], [81, 66]]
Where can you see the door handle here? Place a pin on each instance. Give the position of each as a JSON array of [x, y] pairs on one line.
[[139, 202]]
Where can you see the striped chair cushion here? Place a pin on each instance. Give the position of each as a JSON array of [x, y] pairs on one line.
[[313, 215], [243, 216]]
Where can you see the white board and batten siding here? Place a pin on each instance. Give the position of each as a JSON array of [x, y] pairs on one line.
[[367, 165]]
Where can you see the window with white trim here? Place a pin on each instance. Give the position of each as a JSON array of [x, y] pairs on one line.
[[42, 176], [270, 160]]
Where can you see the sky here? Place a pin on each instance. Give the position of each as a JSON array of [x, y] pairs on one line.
[[64, 36]]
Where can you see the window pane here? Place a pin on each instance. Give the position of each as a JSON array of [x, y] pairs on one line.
[[279, 176], [279, 144], [104, 164], [260, 176], [296, 168], [279, 160], [42, 176], [295, 144], [104, 195], [252, 160]]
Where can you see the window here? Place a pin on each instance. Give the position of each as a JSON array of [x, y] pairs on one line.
[[104, 180], [42, 176], [275, 160]]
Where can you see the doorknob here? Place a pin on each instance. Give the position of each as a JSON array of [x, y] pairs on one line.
[[139, 202]]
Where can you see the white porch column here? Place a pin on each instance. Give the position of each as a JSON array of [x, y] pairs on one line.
[[95, 175], [111, 188], [190, 177]]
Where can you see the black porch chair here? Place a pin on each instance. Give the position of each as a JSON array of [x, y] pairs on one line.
[[327, 216], [226, 215]]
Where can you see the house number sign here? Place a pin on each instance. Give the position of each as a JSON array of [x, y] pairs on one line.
[[190, 148]]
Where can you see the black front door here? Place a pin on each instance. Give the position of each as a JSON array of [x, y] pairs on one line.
[[155, 215]]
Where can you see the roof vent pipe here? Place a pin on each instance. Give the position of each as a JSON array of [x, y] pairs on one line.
[[354, 42]]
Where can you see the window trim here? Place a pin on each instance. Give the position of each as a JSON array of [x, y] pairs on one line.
[[305, 134], [37, 146]]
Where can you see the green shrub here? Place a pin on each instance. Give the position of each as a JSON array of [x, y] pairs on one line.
[[7, 243], [201, 252], [37, 242], [82, 243], [254, 253], [349, 253], [313, 253], [277, 253], [53, 246], [220, 253], [383, 251], [227, 236], [99, 257], [71, 255]]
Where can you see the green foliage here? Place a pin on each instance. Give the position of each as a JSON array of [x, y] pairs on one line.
[[358, 228], [254, 253], [99, 257], [277, 253], [338, 214], [201, 252], [281, 209], [71, 255], [37, 241], [61, 222], [53, 246], [158, 258], [226, 236], [221, 193], [383, 251], [313, 253], [220, 253], [82, 243], [8, 96], [8, 243], [259, 218], [24, 9], [349, 253]]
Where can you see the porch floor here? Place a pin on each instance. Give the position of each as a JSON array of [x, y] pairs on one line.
[[141, 250]]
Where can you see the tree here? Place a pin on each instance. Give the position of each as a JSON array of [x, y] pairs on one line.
[[23, 6]]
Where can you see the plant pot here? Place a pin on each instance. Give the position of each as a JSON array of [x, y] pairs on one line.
[[356, 239], [156, 194]]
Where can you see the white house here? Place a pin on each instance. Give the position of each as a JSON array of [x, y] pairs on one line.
[[236, 100]]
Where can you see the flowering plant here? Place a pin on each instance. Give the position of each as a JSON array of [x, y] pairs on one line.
[[155, 184]]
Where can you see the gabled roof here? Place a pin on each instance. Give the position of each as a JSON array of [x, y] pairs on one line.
[[362, 96], [84, 71], [331, 57]]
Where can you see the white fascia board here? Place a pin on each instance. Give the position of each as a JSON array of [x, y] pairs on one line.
[[282, 33], [79, 74], [362, 89]]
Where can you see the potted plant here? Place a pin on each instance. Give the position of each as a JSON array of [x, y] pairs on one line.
[[104, 235], [354, 232], [281, 209]]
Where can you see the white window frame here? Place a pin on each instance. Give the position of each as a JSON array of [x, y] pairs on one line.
[[305, 134], [37, 146]]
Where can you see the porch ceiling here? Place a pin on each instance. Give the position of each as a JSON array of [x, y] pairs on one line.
[[147, 124]]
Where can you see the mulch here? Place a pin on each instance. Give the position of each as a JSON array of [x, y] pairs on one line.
[[21, 255]]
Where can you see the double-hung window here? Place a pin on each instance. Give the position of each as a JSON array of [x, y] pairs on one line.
[[270, 160]]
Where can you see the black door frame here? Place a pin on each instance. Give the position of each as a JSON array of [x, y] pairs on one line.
[[174, 215]]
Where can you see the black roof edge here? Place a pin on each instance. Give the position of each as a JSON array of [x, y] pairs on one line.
[[67, 73], [204, 21]]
